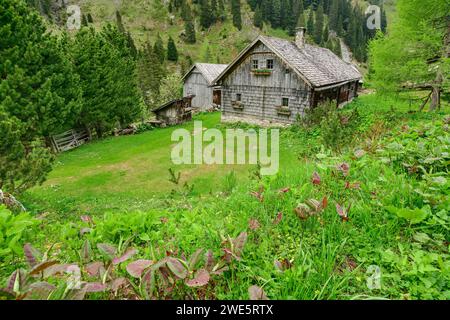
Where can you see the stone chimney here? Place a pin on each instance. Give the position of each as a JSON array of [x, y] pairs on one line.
[[300, 37]]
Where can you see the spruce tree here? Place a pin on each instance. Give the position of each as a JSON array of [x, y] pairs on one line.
[[257, 19], [159, 50], [89, 18], [172, 53], [205, 14], [276, 14], [310, 24], [236, 12], [39, 95], [301, 15], [318, 27], [189, 30]]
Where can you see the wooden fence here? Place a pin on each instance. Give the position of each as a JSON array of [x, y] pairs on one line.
[[70, 139]]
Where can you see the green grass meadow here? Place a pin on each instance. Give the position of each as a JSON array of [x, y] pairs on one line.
[[397, 219]]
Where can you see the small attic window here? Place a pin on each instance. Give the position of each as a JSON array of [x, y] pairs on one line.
[[255, 65], [238, 97], [269, 64], [285, 102]]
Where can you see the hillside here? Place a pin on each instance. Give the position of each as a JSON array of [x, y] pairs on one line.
[[219, 43]]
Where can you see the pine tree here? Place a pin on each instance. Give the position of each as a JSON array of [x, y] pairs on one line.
[[89, 18], [159, 50], [310, 24], [39, 95], [334, 15], [301, 15], [276, 14], [189, 32], [172, 53], [257, 19], [205, 14], [326, 35], [318, 28], [236, 12], [150, 74]]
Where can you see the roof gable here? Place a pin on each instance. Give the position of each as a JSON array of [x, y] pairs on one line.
[[317, 66], [210, 71]]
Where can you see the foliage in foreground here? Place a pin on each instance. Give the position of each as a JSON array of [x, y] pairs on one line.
[[316, 231]]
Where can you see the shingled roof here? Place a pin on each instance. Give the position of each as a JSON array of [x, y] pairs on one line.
[[209, 70], [317, 66]]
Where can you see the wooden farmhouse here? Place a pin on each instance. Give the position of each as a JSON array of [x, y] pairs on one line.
[[174, 112], [272, 81], [198, 81]]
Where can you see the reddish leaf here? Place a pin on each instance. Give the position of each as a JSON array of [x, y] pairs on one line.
[[354, 185], [41, 267], [303, 211], [324, 203], [32, 255], [127, 255], [284, 190], [257, 293], [7, 294], [86, 218], [84, 231], [93, 269], [40, 290], [258, 195], [177, 268], [107, 250], [344, 168], [136, 268], [164, 220], [118, 283], [195, 257], [254, 224], [239, 243], [278, 218], [209, 260], [283, 264], [201, 279], [359, 153], [342, 212], [86, 251], [57, 269], [316, 178], [95, 287]]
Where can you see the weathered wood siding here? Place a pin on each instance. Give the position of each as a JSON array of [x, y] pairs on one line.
[[196, 84], [261, 95]]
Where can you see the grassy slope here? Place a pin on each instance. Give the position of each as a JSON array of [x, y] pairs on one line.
[[146, 18]]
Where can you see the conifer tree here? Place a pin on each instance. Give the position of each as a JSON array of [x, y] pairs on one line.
[[276, 14], [172, 53], [205, 14], [39, 95], [310, 23], [318, 28], [236, 12], [159, 50], [258, 19]]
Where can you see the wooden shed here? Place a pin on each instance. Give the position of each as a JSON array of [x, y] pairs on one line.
[[198, 81], [174, 112]]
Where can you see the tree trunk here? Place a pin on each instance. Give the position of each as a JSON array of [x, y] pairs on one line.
[[436, 93]]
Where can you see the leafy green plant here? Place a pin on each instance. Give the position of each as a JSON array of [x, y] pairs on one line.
[[15, 230]]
